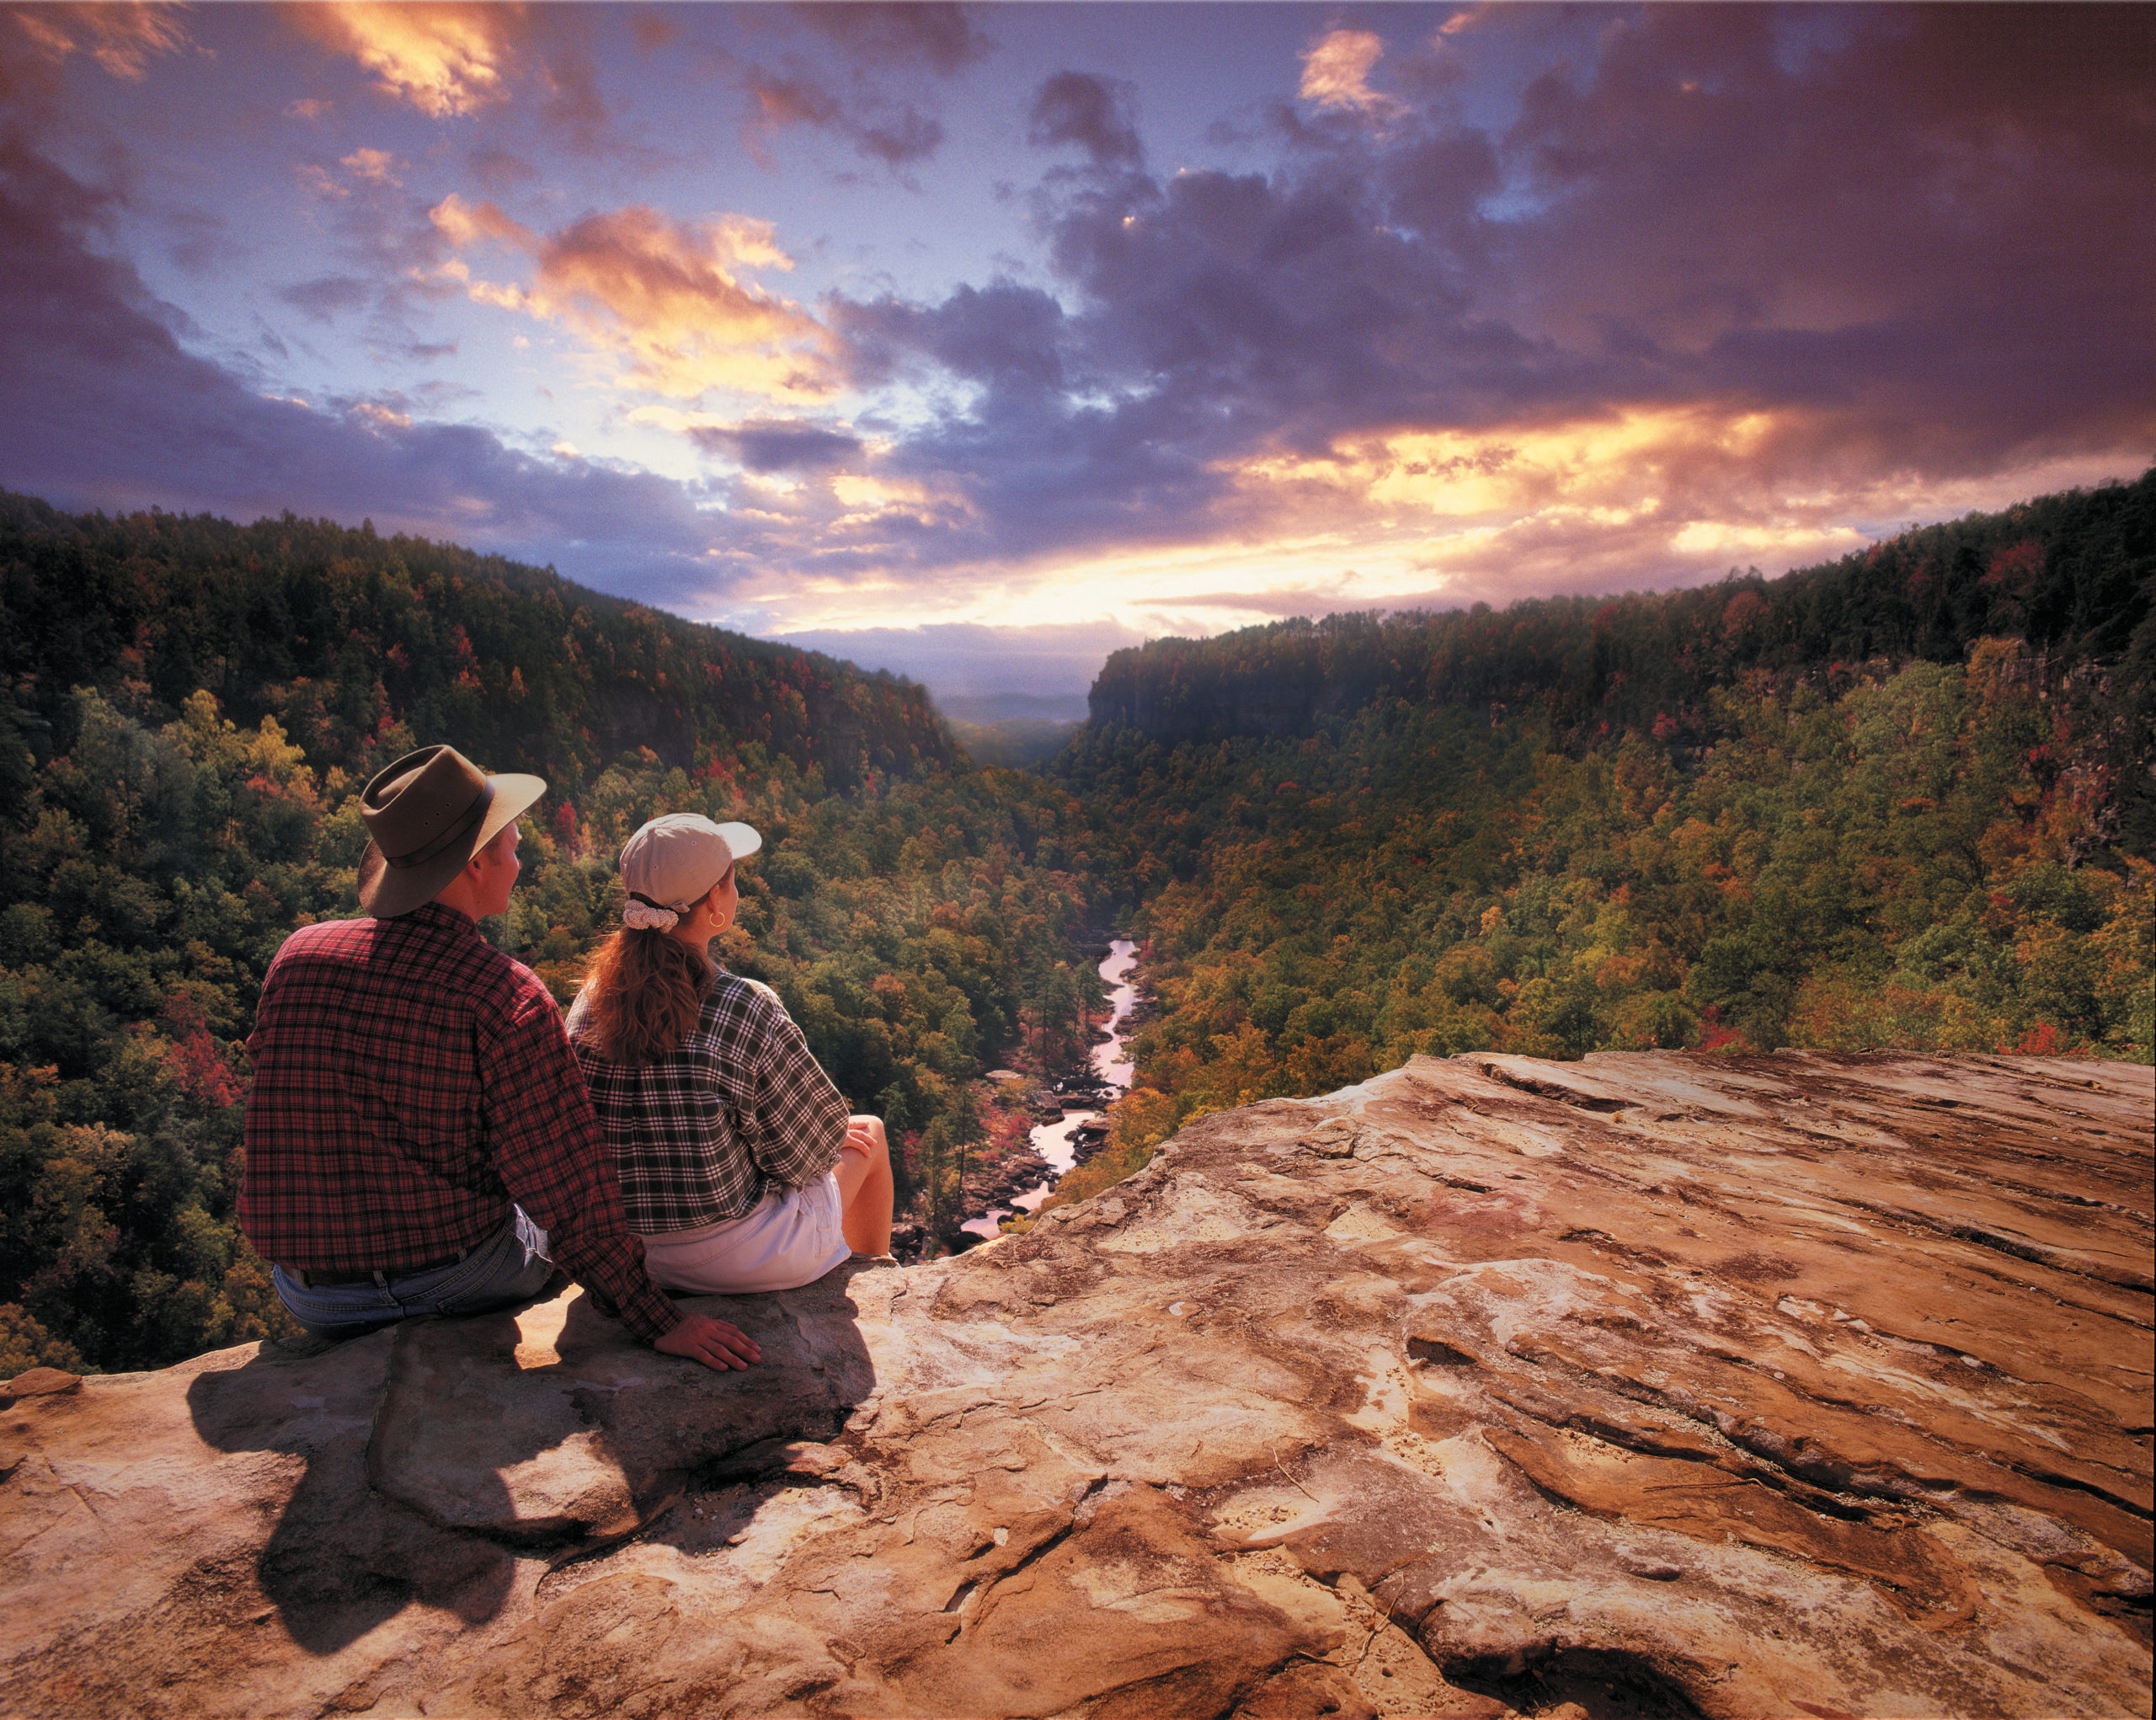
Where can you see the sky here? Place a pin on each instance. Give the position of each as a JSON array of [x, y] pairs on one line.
[[976, 342]]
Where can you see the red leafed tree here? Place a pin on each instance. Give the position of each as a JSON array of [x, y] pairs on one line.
[[198, 1065]]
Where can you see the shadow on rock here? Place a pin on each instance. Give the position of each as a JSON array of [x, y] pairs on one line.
[[1602, 1683], [341, 1559], [440, 1450]]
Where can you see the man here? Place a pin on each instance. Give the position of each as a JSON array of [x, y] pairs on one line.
[[419, 1141]]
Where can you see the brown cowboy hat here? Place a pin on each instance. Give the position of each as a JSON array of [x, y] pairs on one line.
[[426, 815]]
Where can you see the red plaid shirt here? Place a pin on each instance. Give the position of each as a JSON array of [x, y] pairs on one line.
[[410, 1082]]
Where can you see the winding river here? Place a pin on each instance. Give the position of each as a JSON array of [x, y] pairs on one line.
[[1050, 1140]]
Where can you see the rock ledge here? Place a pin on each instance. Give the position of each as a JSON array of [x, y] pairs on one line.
[[1652, 1385]]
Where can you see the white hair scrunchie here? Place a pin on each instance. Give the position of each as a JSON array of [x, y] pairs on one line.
[[642, 916]]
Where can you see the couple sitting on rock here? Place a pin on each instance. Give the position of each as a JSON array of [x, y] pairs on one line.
[[424, 1136]]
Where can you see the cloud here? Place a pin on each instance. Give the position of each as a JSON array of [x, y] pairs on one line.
[[773, 445], [860, 78], [373, 166], [202, 238], [382, 255], [566, 72], [1193, 612], [120, 39], [456, 61], [652, 30], [1722, 284], [499, 169], [670, 296], [1336, 73], [908, 135], [940, 37], [101, 406], [894, 132], [1003, 336], [1435, 187], [467, 224], [1698, 211], [328, 297], [1657, 282], [446, 60], [1094, 113], [793, 101]]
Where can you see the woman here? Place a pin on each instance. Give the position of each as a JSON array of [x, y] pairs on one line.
[[741, 1167]]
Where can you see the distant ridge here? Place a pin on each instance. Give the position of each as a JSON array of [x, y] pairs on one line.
[[355, 642], [2071, 574]]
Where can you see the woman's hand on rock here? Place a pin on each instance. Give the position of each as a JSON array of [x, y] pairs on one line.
[[711, 1342]]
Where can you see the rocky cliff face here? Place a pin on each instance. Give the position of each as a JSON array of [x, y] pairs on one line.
[[1650, 1385]]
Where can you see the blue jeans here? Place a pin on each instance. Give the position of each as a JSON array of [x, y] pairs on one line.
[[509, 1267]]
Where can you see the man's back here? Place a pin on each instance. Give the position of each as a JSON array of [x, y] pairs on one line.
[[368, 1130]]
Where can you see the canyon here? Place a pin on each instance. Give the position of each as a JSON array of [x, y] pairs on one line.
[[1028, 1181]]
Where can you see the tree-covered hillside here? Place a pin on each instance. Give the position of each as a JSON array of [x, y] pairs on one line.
[[196, 706], [340, 634], [2068, 573], [1830, 809]]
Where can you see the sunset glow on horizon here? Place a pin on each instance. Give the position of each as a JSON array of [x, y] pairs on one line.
[[1125, 320]]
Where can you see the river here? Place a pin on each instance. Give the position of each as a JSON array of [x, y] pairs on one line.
[[1109, 1062]]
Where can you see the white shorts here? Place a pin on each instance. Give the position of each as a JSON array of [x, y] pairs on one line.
[[791, 1237]]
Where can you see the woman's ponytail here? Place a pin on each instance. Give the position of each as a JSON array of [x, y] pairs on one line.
[[643, 994]]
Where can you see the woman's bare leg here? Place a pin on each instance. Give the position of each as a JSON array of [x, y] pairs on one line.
[[864, 1174]]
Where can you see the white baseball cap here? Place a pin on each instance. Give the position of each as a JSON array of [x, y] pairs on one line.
[[673, 862]]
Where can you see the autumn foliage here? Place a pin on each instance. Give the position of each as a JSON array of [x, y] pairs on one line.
[[1676, 822], [1906, 800], [192, 710]]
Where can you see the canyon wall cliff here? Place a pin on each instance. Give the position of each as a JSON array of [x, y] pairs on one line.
[[1650, 1384]]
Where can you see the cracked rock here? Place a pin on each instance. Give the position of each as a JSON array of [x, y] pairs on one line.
[[1648, 1385]]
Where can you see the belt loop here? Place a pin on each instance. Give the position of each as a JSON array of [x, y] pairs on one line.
[[379, 1276]]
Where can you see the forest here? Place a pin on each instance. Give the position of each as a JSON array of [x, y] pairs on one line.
[[194, 709], [2067, 574], [1903, 799]]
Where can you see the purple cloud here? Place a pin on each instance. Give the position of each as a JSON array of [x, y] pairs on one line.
[[1901, 238], [942, 38], [1004, 335], [1093, 113], [908, 135], [328, 297], [767, 445], [852, 82], [101, 406]]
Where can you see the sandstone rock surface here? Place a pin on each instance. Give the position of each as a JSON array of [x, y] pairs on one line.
[[1652, 1385]]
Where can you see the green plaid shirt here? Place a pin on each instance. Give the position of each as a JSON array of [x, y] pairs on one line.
[[740, 1104]]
